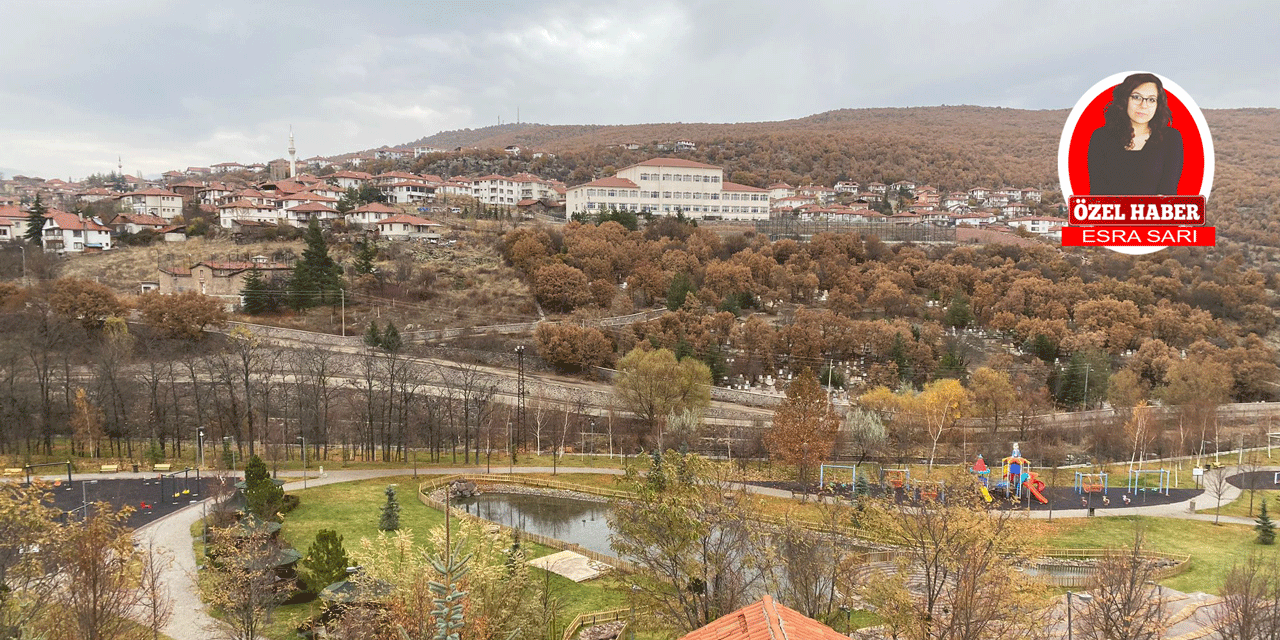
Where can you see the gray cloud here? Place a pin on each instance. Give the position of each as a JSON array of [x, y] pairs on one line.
[[167, 85]]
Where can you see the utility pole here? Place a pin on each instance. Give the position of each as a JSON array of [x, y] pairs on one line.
[[519, 402]]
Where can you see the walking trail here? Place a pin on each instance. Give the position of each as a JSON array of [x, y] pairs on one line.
[[191, 621]]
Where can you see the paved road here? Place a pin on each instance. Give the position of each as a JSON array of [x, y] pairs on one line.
[[191, 622]]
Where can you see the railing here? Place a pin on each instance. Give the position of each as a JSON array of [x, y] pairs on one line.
[[589, 619]]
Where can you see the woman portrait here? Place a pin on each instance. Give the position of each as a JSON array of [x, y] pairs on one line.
[[1136, 152]]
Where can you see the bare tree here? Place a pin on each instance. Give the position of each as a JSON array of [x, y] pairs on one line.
[[1250, 479], [1216, 486], [243, 583], [155, 606], [1250, 608], [99, 574], [1127, 604], [813, 571]]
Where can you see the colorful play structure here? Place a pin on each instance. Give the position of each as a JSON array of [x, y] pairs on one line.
[[1091, 483], [1015, 475]]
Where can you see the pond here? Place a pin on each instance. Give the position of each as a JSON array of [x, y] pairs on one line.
[[581, 522]]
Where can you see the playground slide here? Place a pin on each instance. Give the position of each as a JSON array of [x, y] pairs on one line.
[[986, 495], [1036, 492]]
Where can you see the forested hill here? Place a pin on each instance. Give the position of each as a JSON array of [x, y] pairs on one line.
[[948, 147]]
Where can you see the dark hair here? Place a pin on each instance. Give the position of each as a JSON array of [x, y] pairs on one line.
[[1116, 117]]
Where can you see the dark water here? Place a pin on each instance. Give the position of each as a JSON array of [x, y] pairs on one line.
[[577, 521]]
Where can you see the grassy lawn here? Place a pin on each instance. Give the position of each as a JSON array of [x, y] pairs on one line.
[[1240, 507], [1212, 548]]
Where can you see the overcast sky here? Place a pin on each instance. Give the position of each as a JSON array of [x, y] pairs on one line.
[[167, 84]]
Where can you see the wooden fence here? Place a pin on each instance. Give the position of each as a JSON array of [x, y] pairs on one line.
[[590, 619]]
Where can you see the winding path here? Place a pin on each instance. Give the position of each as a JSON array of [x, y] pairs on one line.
[[190, 620]]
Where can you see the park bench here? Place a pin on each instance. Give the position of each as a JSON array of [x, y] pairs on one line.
[[13, 471], [109, 468], [162, 467]]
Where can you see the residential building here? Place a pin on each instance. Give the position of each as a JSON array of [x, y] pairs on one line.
[[1017, 209], [137, 222], [512, 150], [408, 191], [71, 233], [390, 154], [300, 215], [845, 186], [685, 145], [979, 193], [368, 215], [349, 179], [780, 190], [219, 279], [495, 190], [1031, 194], [243, 210], [1041, 225], [226, 167], [407, 227], [154, 202], [422, 151]]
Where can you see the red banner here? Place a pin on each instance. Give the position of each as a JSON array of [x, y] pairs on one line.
[[1134, 236], [1158, 211]]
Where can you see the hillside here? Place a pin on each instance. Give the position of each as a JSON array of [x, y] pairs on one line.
[[947, 147]]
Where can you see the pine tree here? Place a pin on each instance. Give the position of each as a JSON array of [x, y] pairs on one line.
[[256, 298], [860, 486], [326, 561], [263, 497], [391, 338], [390, 520], [373, 337], [1266, 528], [35, 221], [366, 252], [316, 277]]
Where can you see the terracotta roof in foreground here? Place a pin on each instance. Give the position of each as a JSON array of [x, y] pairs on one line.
[[765, 619]]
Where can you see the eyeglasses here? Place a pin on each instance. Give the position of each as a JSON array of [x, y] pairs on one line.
[[1140, 99]]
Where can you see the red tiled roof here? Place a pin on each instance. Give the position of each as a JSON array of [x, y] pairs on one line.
[[153, 192], [312, 207], [674, 162], [408, 219], [72, 221], [244, 204], [12, 211], [733, 186], [375, 207], [765, 620], [432, 178], [174, 227], [355, 175], [612, 182], [398, 174], [139, 218], [6, 222], [527, 202], [309, 196]]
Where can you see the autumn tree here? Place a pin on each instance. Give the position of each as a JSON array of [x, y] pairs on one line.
[[804, 426], [100, 571], [1250, 608], [993, 394], [86, 302], [182, 315], [242, 583], [1196, 386], [86, 425], [652, 384], [560, 287], [572, 347], [865, 433], [29, 537], [958, 570], [689, 529], [940, 404]]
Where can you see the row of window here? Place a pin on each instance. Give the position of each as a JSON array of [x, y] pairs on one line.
[[686, 195], [631, 206], [679, 177]]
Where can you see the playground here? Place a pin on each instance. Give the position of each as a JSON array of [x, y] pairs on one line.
[[151, 497]]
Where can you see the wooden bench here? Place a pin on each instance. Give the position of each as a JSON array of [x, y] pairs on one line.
[[109, 468], [162, 467], [13, 471]]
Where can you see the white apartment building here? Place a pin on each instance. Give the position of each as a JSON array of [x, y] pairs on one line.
[[495, 190], [1038, 224], [72, 233], [348, 179], [154, 202], [369, 214], [667, 185], [245, 210]]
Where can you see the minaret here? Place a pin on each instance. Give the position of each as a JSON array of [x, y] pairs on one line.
[[293, 156]]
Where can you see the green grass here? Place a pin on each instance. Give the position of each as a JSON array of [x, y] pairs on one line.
[[1240, 506], [1213, 548]]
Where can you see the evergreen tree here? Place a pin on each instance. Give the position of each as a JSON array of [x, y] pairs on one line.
[[390, 520], [256, 298], [679, 289], [263, 497], [1266, 528], [860, 486], [317, 277], [326, 561], [958, 313], [373, 337], [366, 253], [35, 221], [391, 338]]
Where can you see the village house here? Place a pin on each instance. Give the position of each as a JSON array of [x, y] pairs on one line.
[[1040, 225], [846, 186], [350, 179], [1031, 195], [219, 279], [226, 167], [367, 215], [780, 190], [134, 223], [71, 233], [1017, 209], [243, 210], [979, 193], [878, 187], [300, 215], [407, 227]]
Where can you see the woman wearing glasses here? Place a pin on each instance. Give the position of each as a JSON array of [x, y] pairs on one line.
[[1136, 152]]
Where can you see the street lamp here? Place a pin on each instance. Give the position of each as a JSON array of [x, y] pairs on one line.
[[1085, 598], [200, 447], [225, 440], [304, 460]]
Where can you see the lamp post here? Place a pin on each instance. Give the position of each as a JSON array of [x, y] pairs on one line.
[[200, 447], [304, 460], [225, 440], [1084, 597], [519, 431]]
